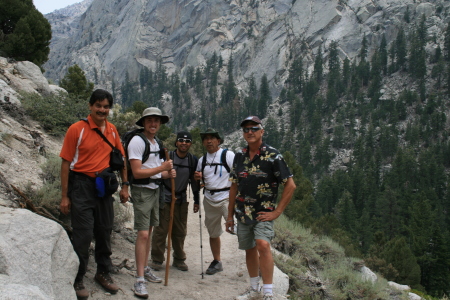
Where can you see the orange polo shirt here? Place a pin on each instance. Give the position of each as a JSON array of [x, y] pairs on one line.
[[85, 148]]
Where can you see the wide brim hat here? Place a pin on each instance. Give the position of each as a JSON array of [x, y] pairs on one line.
[[254, 119], [152, 111], [213, 132]]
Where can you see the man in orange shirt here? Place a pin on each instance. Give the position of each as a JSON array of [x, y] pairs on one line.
[[84, 155]]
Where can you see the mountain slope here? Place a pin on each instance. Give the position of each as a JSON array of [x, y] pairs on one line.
[[116, 37]]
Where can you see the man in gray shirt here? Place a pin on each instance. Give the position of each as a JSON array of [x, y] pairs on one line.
[[184, 163]]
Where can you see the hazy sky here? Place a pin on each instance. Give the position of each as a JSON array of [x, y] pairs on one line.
[[47, 6]]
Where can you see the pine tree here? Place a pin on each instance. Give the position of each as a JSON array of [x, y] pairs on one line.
[[75, 83], [436, 264], [400, 256], [25, 32], [333, 63], [346, 73], [346, 213], [264, 97], [400, 50], [271, 134], [387, 213], [230, 91], [198, 79], [363, 70], [318, 66], [250, 101], [383, 55], [295, 79], [376, 78], [437, 72], [447, 43]]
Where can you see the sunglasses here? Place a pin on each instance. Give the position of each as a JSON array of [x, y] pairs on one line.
[[253, 129], [184, 141]]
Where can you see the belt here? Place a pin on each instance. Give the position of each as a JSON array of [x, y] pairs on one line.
[[83, 176], [212, 192]]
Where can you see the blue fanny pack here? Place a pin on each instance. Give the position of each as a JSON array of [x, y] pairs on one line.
[[106, 183]]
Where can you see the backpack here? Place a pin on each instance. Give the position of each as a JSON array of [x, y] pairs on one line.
[[223, 162], [126, 138]]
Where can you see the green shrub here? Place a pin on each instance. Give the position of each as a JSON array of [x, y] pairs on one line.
[[318, 267], [55, 112]]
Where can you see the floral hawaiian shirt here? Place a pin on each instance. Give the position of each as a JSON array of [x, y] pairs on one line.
[[257, 181]]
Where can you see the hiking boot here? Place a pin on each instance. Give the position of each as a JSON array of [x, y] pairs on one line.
[[156, 265], [180, 265], [150, 276], [268, 297], [250, 293], [105, 280], [80, 290], [140, 290], [214, 267]]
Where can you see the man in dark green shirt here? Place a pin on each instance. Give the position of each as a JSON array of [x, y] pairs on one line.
[[184, 163]]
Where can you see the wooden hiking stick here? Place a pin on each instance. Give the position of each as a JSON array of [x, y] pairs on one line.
[[169, 234]]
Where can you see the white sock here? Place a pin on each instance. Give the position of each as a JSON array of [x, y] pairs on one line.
[[267, 288], [254, 283], [140, 279]]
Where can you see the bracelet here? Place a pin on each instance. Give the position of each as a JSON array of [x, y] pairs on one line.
[[230, 221], [126, 183]]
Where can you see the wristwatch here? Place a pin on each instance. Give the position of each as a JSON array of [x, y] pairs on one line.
[[126, 183]]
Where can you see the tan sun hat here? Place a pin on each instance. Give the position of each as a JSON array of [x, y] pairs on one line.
[[152, 111]]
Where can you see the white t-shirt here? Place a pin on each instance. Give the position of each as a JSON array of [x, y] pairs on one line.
[[136, 148], [219, 180]]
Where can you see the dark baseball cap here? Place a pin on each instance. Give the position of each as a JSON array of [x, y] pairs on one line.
[[184, 135], [251, 119]]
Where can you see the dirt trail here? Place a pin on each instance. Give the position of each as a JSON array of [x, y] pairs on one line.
[[229, 283]]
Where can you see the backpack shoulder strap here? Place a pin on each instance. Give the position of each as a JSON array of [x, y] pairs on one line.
[[146, 153], [192, 163], [162, 154], [223, 160], [203, 162]]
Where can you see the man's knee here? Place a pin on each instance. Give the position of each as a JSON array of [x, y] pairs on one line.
[[143, 235], [263, 246]]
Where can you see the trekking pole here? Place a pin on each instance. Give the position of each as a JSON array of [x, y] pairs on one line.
[[201, 240], [169, 234]]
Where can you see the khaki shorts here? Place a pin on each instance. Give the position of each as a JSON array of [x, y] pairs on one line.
[[146, 207], [248, 233], [214, 212]]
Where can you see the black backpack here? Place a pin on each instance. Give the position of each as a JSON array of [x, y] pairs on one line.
[[126, 138], [223, 162]]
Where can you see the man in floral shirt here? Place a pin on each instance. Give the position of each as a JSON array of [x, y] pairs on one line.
[[257, 172]]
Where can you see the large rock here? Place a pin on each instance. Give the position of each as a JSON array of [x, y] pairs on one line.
[[368, 274], [37, 260], [400, 287], [32, 74]]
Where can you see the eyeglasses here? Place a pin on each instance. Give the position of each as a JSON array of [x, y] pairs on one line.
[[253, 129], [185, 141]]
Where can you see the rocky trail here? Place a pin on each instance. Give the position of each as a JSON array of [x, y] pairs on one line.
[[228, 284]]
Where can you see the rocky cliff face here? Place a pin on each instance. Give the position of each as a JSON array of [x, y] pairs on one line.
[[23, 143], [115, 37]]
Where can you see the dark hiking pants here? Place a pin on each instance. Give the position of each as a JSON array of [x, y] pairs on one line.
[[179, 231], [92, 216]]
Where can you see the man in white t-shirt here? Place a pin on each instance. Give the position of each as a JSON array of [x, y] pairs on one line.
[[145, 191], [214, 168]]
